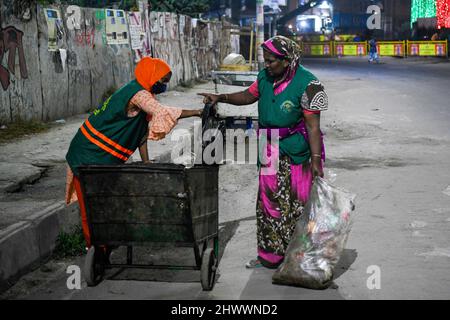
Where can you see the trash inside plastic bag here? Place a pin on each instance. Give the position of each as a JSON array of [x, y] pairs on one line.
[[319, 238]]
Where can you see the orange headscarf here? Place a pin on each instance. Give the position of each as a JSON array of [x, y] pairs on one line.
[[149, 70]]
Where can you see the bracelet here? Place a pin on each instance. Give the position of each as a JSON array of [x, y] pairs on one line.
[[316, 155], [226, 97]]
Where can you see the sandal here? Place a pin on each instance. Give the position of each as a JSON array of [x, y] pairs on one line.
[[253, 263]]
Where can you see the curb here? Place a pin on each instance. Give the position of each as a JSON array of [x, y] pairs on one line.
[[12, 186], [25, 245]]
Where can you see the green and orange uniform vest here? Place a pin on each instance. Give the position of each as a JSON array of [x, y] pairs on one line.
[[109, 136], [284, 111]]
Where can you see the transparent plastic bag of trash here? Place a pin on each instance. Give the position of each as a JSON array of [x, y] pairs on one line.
[[319, 238]]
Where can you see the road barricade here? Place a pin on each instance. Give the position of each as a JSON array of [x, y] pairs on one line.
[[384, 48], [350, 48], [317, 49], [427, 48], [391, 48]]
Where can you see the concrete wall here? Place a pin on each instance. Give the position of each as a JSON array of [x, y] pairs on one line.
[[41, 85]]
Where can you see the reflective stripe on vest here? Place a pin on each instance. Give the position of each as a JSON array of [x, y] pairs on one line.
[[107, 140], [103, 146]]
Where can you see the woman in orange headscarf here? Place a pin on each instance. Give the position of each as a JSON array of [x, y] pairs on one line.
[[121, 124]]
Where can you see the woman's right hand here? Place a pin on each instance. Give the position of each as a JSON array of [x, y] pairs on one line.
[[210, 98]]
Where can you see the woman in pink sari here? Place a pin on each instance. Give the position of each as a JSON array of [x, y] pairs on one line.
[[290, 100]]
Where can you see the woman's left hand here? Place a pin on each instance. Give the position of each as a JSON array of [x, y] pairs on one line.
[[191, 113], [316, 168]]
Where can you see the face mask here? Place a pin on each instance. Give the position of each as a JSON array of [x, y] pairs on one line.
[[159, 88]]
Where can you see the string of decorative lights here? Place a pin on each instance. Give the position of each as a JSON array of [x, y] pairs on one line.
[[443, 13], [422, 9]]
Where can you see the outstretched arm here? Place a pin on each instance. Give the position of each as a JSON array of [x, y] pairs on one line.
[[236, 98], [145, 101], [191, 113]]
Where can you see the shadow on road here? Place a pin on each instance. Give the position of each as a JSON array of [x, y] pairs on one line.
[[260, 287], [165, 256], [260, 284], [348, 256]]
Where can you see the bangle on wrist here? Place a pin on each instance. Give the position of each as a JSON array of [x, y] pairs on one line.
[[316, 155]]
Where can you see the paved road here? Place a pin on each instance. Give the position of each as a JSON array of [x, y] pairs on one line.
[[388, 141]]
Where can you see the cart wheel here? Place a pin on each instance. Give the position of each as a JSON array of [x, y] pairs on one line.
[[93, 266], [208, 269]]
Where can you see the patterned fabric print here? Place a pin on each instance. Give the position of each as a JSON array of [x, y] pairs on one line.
[[274, 234], [162, 118], [314, 98]]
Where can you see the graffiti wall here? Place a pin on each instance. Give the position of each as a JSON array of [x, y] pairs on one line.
[[61, 60], [19, 70]]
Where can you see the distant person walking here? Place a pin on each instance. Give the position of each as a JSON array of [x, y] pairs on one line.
[[373, 53], [435, 37]]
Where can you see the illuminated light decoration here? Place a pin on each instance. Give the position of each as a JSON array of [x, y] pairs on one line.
[[422, 9], [443, 13]]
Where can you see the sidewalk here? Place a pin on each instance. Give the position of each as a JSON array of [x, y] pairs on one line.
[[32, 186]]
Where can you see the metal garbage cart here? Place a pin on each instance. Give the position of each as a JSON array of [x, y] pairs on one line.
[[142, 204]]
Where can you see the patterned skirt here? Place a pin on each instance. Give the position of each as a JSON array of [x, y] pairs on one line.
[[281, 200]]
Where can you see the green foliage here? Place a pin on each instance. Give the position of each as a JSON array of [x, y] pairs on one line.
[[188, 7], [121, 4], [70, 244]]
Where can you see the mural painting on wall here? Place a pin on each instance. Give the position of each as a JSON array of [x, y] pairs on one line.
[[83, 28], [11, 42], [100, 19], [88, 37], [116, 27]]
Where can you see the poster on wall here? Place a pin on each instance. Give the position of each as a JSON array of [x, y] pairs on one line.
[[182, 25], [136, 33], [116, 27], [154, 22], [168, 30], [145, 26], [55, 29], [210, 36]]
